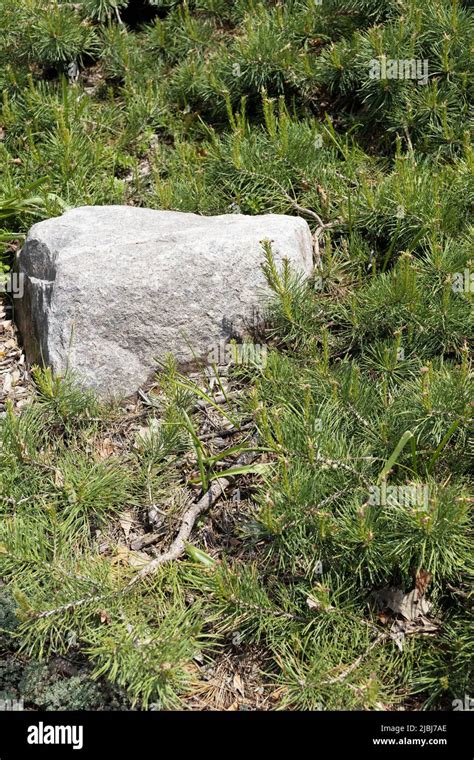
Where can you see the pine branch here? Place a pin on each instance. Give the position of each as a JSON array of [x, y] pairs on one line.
[[354, 665]]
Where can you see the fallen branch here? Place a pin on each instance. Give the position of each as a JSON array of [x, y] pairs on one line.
[[317, 234], [145, 541], [218, 399], [179, 544], [225, 432]]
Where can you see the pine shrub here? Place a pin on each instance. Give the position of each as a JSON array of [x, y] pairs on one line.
[[256, 107]]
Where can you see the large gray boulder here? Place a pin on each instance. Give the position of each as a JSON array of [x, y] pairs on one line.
[[108, 290]]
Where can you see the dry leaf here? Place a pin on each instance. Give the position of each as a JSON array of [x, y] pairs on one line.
[[422, 581], [105, 449], [401, 628], [121, 555], [138, 559], [7, 383], [411, 606], [278, 694], [414, 605], [312, 603], [238, 684], [322, 193], [145, 433], [399, 639], [127, 557], [126, 522]]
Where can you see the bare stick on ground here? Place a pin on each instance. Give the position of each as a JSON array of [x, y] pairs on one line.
[[179, 544]]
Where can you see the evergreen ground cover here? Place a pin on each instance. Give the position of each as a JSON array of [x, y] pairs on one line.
[[337, 564]]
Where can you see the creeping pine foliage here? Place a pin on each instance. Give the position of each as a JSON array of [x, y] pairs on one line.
[[214, 106]]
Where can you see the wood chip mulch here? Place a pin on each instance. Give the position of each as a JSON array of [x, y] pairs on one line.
[[15, 382]]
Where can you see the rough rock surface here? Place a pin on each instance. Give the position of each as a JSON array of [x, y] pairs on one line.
[[108, 290]]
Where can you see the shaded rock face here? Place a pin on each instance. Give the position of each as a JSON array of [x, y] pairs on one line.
[[108, 290]]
